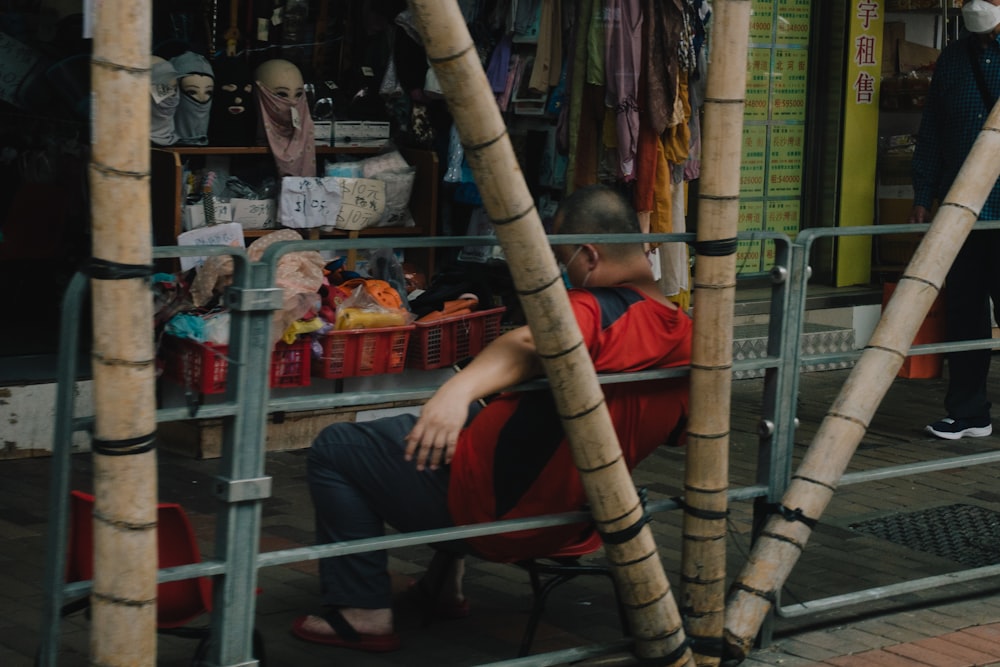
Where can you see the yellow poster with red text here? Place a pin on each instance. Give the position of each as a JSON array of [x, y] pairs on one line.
[[860, 138]]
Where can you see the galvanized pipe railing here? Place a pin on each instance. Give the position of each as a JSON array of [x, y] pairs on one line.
[[784, 359]]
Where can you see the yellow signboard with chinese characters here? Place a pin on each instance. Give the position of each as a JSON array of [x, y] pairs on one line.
[[774, 127], [753, 162], [782, 216], [793, 22], [751, 219], [758, 84], [791, 67], [761, 21], [785, 162], [860, 138]]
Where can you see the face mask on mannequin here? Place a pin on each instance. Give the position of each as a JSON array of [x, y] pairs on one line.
[[233, 119], [980, 16], [284, 112], [197, 85], [163, 105]]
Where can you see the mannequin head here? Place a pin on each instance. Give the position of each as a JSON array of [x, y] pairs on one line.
[[163, 105], [234, 116], [285, 119], [162, 79], [199, 87], [196, 82], [195, 76], [281, 77]]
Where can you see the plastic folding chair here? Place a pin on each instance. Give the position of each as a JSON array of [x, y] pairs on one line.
[[177, 602], [548, 572], [545, 573]]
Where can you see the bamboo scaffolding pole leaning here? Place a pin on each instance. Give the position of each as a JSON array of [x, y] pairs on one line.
[[123, 599], [706, 478], [813, 484], [652, 611]]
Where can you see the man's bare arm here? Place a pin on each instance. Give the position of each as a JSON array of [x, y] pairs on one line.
[[508, 360]]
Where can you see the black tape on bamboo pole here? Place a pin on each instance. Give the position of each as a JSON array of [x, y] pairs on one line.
[[813, 484], [655, 621], [123, 600], [706, 480]]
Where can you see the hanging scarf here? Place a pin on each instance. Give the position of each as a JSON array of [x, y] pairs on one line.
[[623, 51], [290, 132]]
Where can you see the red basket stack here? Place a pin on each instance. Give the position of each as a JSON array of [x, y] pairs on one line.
[[357, 352], [204, 366], [442, 342]]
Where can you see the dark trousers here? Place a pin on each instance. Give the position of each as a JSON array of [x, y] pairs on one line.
[[359, 482], [972, 280]]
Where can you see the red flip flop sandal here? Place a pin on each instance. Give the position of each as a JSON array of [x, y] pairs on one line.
[[347, 636]]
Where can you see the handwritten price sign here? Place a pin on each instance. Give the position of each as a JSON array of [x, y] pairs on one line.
[[362, 202], [308, 202]]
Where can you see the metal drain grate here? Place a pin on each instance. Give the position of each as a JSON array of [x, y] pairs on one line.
[[967, 534]]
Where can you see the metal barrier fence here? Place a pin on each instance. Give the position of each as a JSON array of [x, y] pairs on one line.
[[242, 483]]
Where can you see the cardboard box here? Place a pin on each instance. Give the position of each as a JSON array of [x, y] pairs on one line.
[[323, 132], [893, 33], [360, 133], [193, 215], [255, 213], [914, 56]]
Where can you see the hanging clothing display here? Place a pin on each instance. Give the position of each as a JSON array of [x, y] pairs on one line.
[[548, 52], [622, 55]]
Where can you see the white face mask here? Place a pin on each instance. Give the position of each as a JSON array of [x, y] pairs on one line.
[[980, 16]]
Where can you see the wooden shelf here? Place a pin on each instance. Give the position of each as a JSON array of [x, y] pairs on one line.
[[343, 233], [166, 165], [264, 150]]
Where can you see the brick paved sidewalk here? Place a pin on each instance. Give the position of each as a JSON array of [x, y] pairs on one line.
[[965, 633], [838, 559]]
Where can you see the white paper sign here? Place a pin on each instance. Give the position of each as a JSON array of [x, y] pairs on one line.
[[308, 202], [255, 213], [229, 234], [363, 202]]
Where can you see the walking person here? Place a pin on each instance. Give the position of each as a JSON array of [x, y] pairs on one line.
[[963, 91]]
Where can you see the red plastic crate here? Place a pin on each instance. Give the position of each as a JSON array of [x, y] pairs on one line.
[[204, 366], [443, 342], [357, 352]]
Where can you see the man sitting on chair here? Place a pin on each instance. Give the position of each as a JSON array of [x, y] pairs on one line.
[[455, 465]]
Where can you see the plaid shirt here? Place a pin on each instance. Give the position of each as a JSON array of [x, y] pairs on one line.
[[952, 119]]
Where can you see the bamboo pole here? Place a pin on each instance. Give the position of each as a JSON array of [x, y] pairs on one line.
[[814, 483], [706, 478], [652, 611], [123, 599]]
